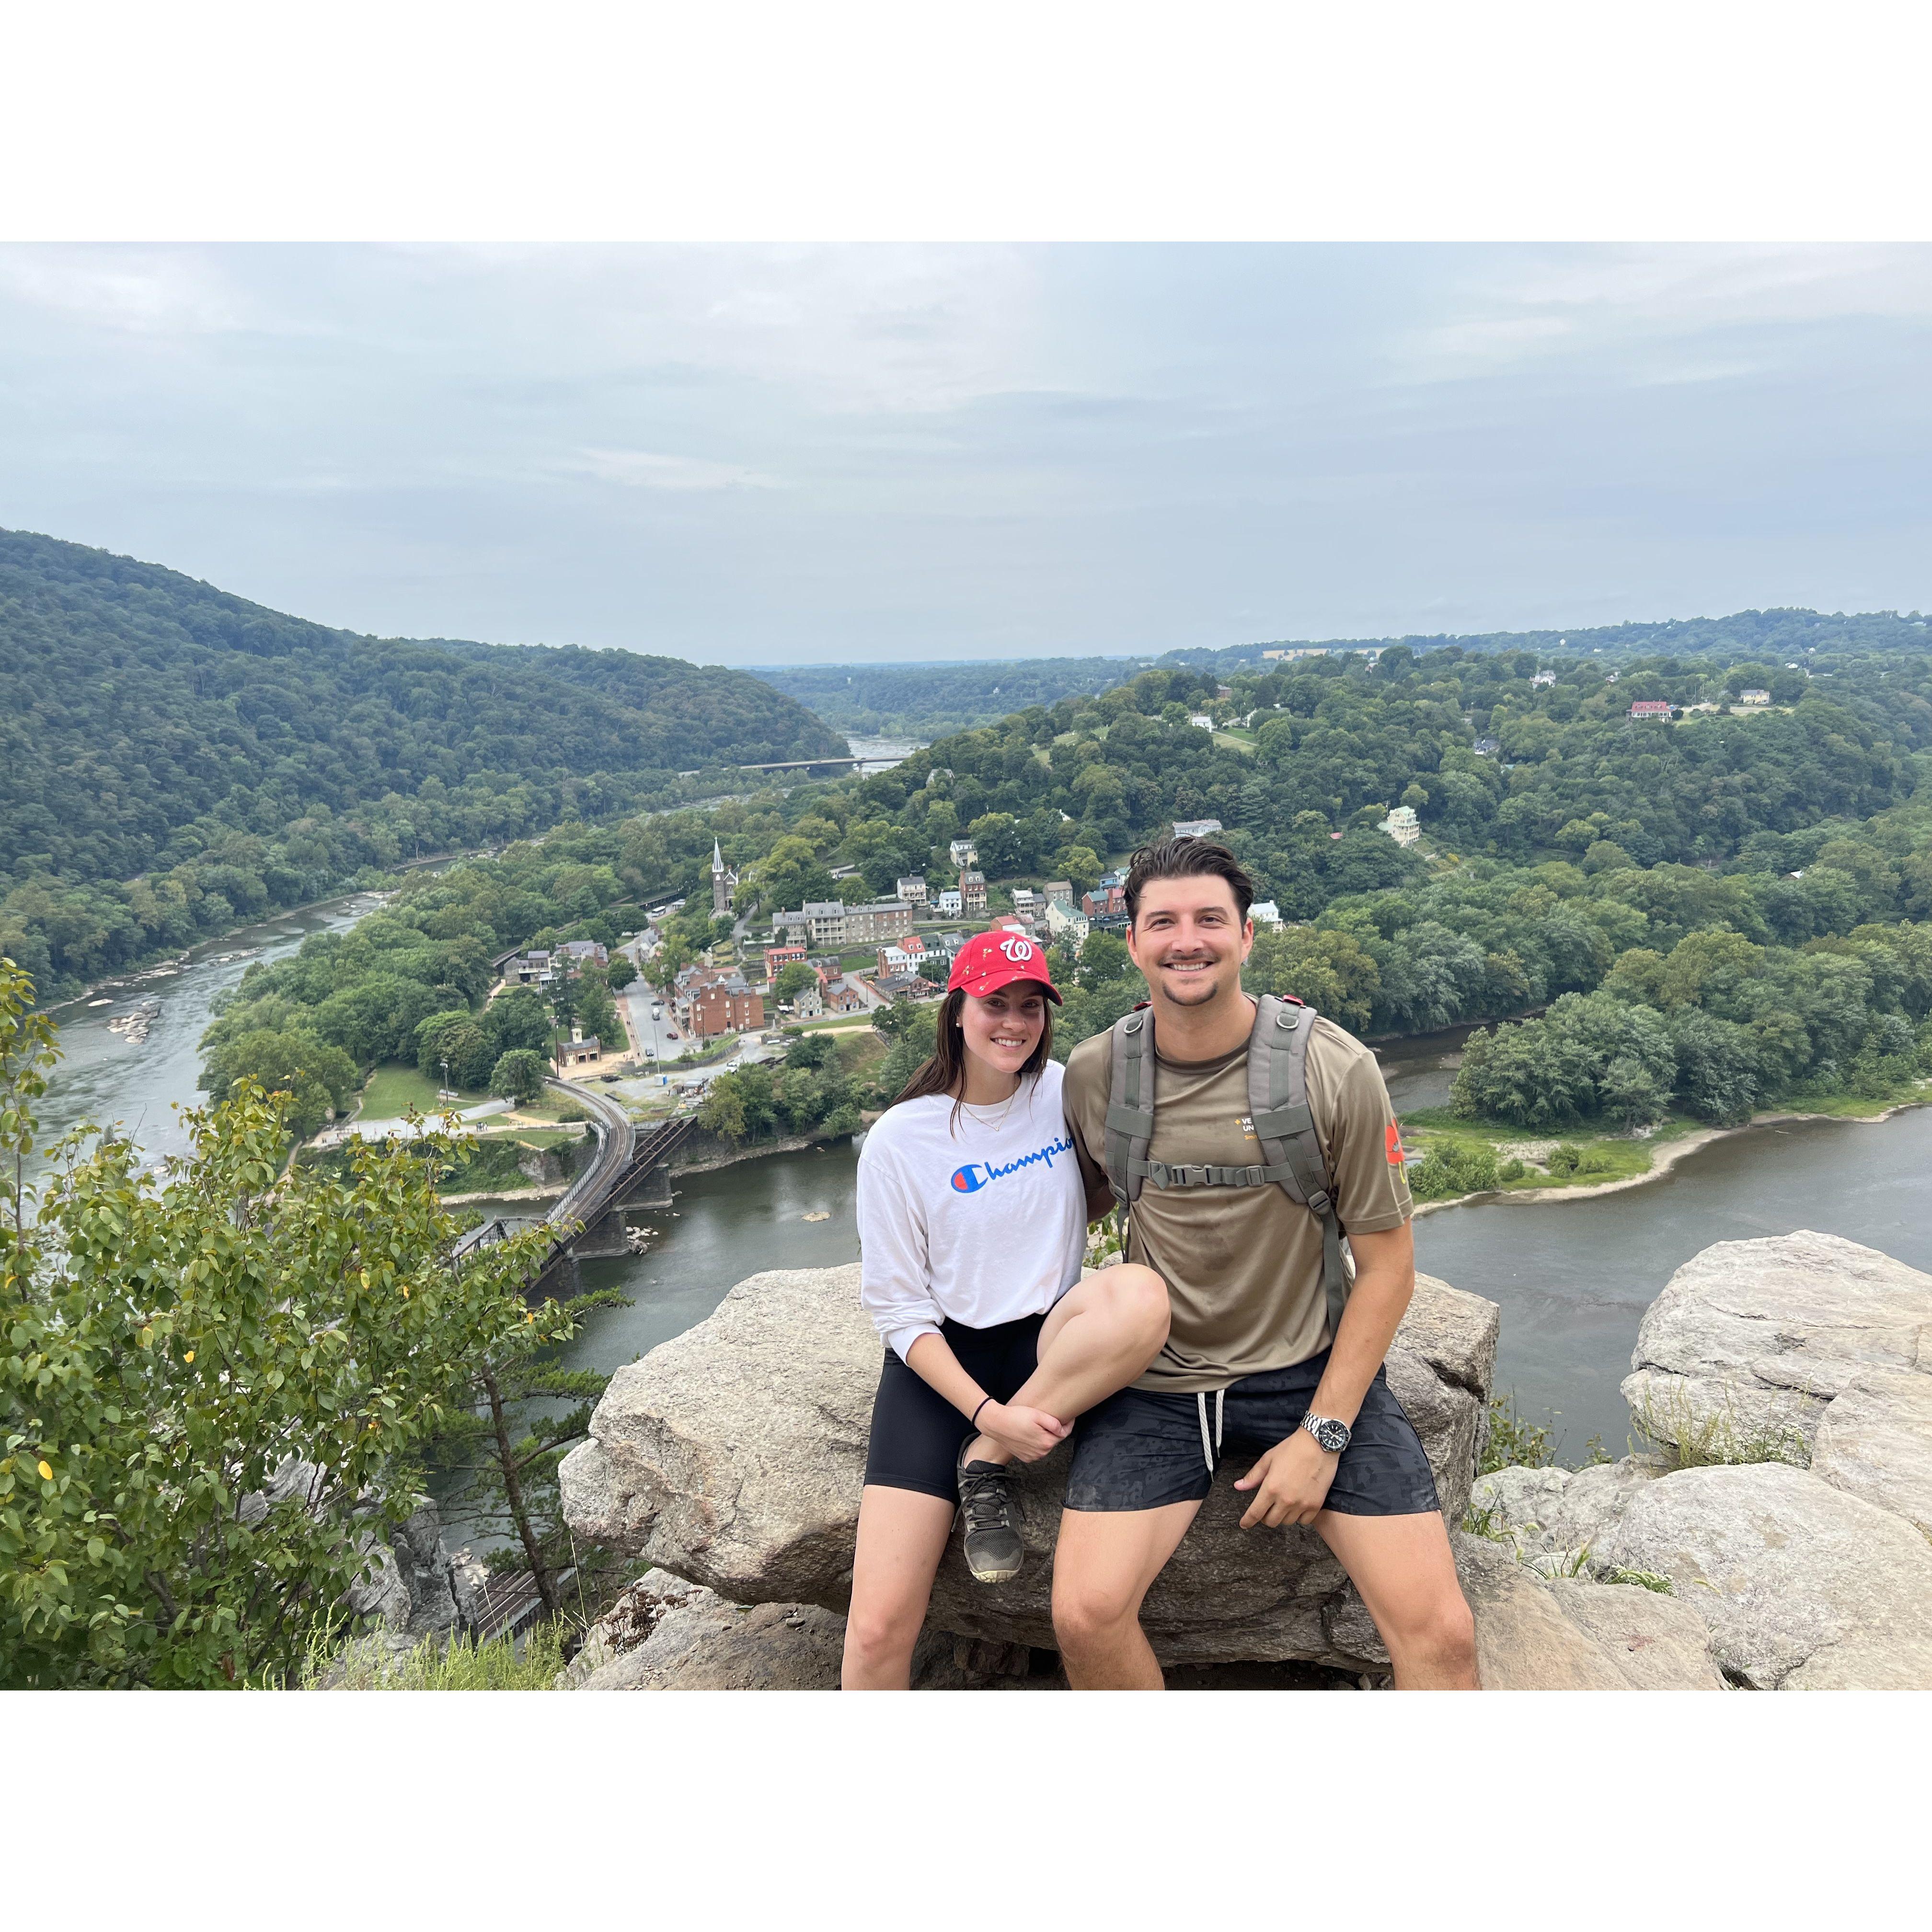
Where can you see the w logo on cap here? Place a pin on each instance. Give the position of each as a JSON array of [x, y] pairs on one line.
[[1017, 950]]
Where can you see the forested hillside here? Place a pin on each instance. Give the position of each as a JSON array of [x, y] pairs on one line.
[[921, 700], [926, 700], [173, 758]]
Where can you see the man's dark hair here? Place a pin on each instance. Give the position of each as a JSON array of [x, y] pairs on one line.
[[1186, 859]]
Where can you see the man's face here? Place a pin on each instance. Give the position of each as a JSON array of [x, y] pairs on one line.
[[1189, 941]]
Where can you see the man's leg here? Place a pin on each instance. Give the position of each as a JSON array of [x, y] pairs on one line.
[[902, 1535], [1101, 1335], [1403, 1568], [1105, 1563]]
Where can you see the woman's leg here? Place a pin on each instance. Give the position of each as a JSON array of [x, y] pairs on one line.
[[1101, 1335], [902, 1534]]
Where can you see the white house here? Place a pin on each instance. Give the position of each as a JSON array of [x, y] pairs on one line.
[[949, 903], [1401, 825], [1202, 718], [1265, 912]]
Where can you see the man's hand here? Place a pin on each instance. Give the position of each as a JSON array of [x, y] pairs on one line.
[[1294, 1477], [1029, 1433]]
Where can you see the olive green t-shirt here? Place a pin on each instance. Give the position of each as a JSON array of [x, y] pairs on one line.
[[1243, 1265]]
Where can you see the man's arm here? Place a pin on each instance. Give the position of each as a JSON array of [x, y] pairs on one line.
[[1292, 1479]]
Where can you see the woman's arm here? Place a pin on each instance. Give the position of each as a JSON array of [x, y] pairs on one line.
[[1028, 1433]]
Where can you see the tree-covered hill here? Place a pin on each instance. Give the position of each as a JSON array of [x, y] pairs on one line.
[[172, 757], [924, 700], [927, 701]]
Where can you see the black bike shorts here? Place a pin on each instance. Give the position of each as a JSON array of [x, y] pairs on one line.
[[1139, 1451], [916, 1432]]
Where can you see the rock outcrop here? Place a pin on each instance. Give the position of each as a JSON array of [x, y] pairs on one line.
[[1533, 1635], [1804, 1587], [666, 1634], [733, 1456], [1749, 1341], [1761, 1357]]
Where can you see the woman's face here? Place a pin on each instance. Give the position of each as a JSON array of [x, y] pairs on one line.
[[1004, 1028]]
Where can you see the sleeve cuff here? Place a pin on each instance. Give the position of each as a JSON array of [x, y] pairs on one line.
[[899, 1340], [1380, 1224]]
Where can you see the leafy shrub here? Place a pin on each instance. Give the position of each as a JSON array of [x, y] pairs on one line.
[[1450, 1168]]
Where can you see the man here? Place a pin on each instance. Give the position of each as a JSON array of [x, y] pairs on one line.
[[1256, 1357]]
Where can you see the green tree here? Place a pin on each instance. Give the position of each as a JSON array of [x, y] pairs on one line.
[[597, 1011], [1333, 972], [518, 1076], [318, 1079], [794, 976], [621, 971], [216, 1387]]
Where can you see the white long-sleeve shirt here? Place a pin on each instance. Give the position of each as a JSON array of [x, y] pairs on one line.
[[980, 1223]]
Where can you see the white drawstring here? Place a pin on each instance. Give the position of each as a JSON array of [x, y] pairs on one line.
[[1210, 1448]]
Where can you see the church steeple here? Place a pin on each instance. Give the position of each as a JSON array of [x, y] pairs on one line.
[[724, 884]]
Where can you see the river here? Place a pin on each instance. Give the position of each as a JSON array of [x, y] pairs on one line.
[[103, 1077]]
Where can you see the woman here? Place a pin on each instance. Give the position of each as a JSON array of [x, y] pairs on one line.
[[972, 1228]]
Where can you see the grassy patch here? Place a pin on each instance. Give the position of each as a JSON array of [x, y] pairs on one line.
[[393, 1089], [503, 1664], [1466, 1156], [552, 1106], [1689, 1438]]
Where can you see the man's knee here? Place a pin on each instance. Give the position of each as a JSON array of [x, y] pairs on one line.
[[1440, 1634], [1087, 1614], [1138, 1299]]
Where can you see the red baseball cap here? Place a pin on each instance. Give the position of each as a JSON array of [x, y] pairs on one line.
[[991, 960]]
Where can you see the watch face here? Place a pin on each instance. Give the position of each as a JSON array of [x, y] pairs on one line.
[[1332, 1436]]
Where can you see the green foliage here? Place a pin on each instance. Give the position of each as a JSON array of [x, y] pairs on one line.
[[1691, 1436], [1512, 1442], [317, 1079], [518, 1075], [1332, 971], [531, 1663], [1716, 1027], [621, 971], [597, 1011], [1450, 1168], [176, 760], [794, 977], [174, 1348], [811, 1088]]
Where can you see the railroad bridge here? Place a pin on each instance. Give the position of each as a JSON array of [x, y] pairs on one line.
[[589, 1220]]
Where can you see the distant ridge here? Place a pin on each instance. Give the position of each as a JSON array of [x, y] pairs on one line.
[[246, 760]]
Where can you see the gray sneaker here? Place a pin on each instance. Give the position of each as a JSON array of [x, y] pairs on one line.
[[993, 1551]]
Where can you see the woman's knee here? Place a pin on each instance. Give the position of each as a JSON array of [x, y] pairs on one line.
[[1139, 1299], [880, 1632]]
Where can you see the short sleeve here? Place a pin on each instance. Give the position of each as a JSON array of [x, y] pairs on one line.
[[1365, 1152]]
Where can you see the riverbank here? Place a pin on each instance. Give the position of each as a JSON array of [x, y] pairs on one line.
[[1667, 1153], [719, 1154]]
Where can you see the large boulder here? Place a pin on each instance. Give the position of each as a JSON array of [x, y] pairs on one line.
[[1803, 1586], [733, 1456], [1874, 1440], [1737, 1359], [1533, 1635]]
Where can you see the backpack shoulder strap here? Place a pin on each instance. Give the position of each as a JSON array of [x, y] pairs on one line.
[[1129, 1104], [1278, 1105]]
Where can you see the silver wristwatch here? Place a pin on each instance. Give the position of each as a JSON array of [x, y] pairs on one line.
[[1332, 1435]]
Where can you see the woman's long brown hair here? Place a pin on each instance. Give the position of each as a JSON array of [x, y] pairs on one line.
[[944, 1070]]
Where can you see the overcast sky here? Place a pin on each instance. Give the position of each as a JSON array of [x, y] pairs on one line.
[[745, 455]]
